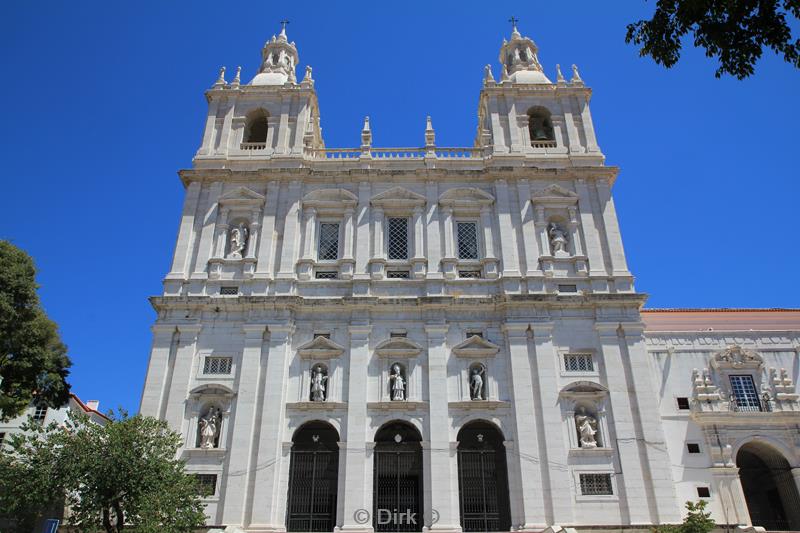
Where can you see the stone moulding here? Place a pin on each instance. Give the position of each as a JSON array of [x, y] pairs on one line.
[[315, 406], [398, 347], [320, 348], [405, 405], [479, 405], [476, 347]]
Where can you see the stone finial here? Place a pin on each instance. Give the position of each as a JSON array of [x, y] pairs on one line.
[[430, 134], [238, 77], [366, 134], [307, 79], [559, 76], [505, 74], [487, 74], [221, 77], [576, 77]]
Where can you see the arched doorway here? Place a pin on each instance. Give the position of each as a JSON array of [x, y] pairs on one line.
[[483, 478], [397, 478], [769, 488], [313, 478]]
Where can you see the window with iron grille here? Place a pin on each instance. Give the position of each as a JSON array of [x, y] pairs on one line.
[[397, 274], [397, 230], [325, 274], [217, 365], [743, 389], [578, 362], [328, 241], [229, 291], [40, 414], [207, 484], [467, 233], [596, 484], [469, 274]]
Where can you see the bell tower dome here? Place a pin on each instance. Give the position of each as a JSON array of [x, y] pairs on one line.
[[278, 60], [520, 60]]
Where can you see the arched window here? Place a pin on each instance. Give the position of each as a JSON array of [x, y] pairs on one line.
[[256, 129], [540, 127], [768, 486], [397, 483]]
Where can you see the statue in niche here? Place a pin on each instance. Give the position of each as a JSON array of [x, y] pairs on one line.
[[587, 429], [476, 383], [558, 240], [318, 380], [239, 236], [209, 428], [398, 383]]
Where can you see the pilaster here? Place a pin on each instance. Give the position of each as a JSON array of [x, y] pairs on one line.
[[182, 366], [728, 489], [528, 229], [209, 220], [266, 248], [181, 257], [619, 266], [158, 370], [291, 232], [506, 231], [590, 232], [362, 231], [433, 231]]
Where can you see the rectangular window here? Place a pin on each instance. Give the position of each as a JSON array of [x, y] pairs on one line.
[[206, 484], [323, 335], [328, 241], [469, 274], [398, 335], [473, 333], [397, 230], [578, 362], [217, 365], [229, 291], [596, 484], [692, 447], [743, 390], [567, 288], [683, 403], [467, 234], [397, 274], [703, 492], [39, 415], [2, 438], [326, 275]]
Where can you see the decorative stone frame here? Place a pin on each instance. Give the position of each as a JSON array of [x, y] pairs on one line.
[[239, 204], [328, 205], [408, 366], [556, 202], [578, 374], [246, 110], [398, 348], [475, 348], [487, 376], [199, 400], [594, 396], [462, 203], [580, 497], [398, 202], [226, 378], [735, 360], [305, 382], [557, 145], [320, 350]]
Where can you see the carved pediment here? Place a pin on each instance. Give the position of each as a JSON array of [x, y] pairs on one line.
[[735, 357], [398, 347], [466, 197], [398, 198], [554, 194], [320, 348], [330, 199], [583, 388], [241, 196], [475, 347]]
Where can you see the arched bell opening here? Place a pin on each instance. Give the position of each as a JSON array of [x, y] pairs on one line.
[[769, 488], [397, 482], [483, 478], [313, 478]]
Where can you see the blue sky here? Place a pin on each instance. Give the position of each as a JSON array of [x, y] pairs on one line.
[[103, 104]]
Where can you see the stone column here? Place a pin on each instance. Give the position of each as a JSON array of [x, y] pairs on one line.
[[574, 234], [240, 455], [449, 245], [181, 257], [588, 126], [266, 247], [433, 230], [547, 381], [283, 127], [590, 231], [377, 233], [488, 231], [155, 385], [443, 472], [540, 222], [531, 475], [506, 231], [528, 228], [224, 141], [572, 131], [514, 129], [729, 494], [310, 233], [208, 219], [349, 234], [222, 233], [357, 482], [181, 374], [270, 423], [210, 130], [252, 239], [362, 231], [419, 234], [619, 266], [291, 232]]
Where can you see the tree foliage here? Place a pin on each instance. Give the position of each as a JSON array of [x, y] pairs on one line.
[[696, 520], [33, 360], [123, 475], [733, 31]]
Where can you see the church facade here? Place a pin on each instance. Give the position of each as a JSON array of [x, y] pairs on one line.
[[407, 339]]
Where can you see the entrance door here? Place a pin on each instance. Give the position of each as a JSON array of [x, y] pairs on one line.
[[482, 479], [397, 479], [769, 487], [313, 478]]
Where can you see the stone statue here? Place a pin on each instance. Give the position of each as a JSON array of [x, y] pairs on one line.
[[239, 236], [398, 383], [318, 379], [209, 429], [558, 240], [587, 429], [476, 383], [487, 73], [576, 77]]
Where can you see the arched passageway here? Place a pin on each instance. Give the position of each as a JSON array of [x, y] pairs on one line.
[[769, 488], [483, 478], [397, 478], [313, 478]]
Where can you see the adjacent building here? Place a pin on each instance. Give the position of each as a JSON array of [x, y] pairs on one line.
[[397, 339]]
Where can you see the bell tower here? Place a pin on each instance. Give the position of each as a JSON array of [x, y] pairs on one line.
[[525, 115]]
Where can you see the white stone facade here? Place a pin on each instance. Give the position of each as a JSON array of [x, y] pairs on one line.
[[504, 259]]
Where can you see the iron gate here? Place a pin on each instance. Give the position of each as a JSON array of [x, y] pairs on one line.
[[313, 478], [483, 479], [397, 488]]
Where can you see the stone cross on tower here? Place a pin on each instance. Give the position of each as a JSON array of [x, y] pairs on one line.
[[513, 20]]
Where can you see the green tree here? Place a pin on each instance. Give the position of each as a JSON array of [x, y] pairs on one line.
[[733, 31], [121, 475], [696, 521], [33, 360]]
